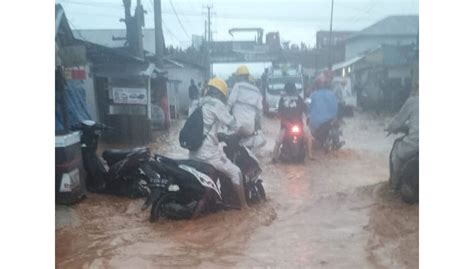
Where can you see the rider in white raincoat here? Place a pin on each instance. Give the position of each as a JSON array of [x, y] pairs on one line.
[[216, 116], [245, 103], [407, 116]]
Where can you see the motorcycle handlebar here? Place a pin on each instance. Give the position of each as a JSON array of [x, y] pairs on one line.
[[403, 130]]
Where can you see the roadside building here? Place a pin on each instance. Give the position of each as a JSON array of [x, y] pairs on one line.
[[127, 90], [393, 30], [325, 53], [179, 72], [182, 73], [383, 77]]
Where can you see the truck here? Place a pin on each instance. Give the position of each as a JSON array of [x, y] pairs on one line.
[[274, 80]]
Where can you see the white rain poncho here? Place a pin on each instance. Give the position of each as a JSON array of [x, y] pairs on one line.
[[216, 117], [408, 115], [245, 103]]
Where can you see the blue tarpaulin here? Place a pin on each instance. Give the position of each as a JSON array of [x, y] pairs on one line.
[[75, 104]]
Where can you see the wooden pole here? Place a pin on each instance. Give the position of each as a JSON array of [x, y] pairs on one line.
[[330, 38], [159, 38]]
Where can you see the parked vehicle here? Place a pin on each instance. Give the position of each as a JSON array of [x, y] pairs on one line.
[[408, 183], [277, 76], [124, 172], [293, 147], [185, 182]]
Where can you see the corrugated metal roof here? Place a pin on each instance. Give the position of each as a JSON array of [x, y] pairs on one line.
[[105, 37], [392, 25]]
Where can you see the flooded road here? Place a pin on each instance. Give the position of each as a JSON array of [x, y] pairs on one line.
[[334, 212]]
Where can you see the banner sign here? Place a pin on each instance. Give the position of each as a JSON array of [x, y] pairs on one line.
[[135, 96]]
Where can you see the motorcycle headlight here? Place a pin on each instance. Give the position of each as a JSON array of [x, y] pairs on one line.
[[173, 187]]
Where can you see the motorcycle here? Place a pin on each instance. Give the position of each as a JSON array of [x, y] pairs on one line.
[[328, 134], [183, 183], [293, 147], [408, 181], [124, 172]]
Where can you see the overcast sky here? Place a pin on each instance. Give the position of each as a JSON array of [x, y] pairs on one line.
[[296, 20]]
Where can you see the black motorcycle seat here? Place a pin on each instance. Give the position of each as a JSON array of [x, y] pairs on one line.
[[112, 156]]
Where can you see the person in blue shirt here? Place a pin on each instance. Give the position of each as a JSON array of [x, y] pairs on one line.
[[323, 108]]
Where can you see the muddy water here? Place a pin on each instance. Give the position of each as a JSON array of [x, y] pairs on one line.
[[334, 212]]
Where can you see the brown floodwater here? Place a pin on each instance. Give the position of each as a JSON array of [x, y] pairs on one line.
[[334, 212]]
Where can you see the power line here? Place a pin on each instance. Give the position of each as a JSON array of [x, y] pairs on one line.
[[185, 17], [225, 16], [359, 15], [177, 17], [94, 4], [170, 33]]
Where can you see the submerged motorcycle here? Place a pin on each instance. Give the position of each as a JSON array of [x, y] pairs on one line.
[[124, 172], [328, 135], [293, 147], [183, 183], [408, 181]]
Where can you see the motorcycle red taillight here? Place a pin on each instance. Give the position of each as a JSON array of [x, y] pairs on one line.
[[295, 129]]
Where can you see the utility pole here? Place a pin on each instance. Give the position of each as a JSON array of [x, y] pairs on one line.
[[330, 38], [140, 22], [209, 39], [209, 32], [127, 21], [134, 26], [205, 30], [159, 38]]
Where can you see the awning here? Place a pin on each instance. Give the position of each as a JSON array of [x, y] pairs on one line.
[[346, 63]]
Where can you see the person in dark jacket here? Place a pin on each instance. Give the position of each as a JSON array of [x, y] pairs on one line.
[[193, 91], [290, 111], [193, 97]]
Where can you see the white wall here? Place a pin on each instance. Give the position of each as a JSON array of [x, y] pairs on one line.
[[359, 45], [185, 75]]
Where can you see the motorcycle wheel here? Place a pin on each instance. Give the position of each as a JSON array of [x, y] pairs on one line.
[[260, 190], [390, 178], [157, 208], [408, 194], [409, 189]]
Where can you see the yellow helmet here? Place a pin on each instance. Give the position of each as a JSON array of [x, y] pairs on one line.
[[242, 70], [219, 84]]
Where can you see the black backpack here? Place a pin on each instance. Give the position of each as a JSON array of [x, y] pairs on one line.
[[192, 135]]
